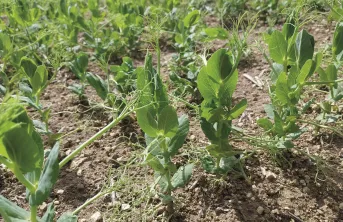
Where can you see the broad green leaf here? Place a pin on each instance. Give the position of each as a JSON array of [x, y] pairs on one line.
[[238, 109], [154, 163], [177, 141], [48, 178], [304, 72], [219, 66], [98, 84], [269, 109], [337, 45], [39, 79], [192, 18], [331, 72], [278, 70], [168, 122], [22, 149], [67, 217], [227, 88], [81, 62], [281, 89], [278, 125], [207, 88], [208, 164], [49, 215], [277, 47], [29, 66], [216, 33], [208, 130], [322, 74], [265, 123], [12, 210], [5, 45], [304, 46], [182, 176], [147, 121]]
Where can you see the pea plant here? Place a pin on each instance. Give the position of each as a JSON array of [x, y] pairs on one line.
[[294, 63], [165, 133], [217, 82], [22, 152]]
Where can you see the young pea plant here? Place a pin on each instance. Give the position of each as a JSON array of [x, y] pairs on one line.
[[79, 68], [22, 152], [294, 63], [217, 81], [165, 133]]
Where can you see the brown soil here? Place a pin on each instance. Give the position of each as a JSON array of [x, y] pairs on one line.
[[298, 190]]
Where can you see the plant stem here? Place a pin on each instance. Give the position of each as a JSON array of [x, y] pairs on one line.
[[94, 137], [33, 216], [22, 179], [322, 126], [89, 201], [323, 82]]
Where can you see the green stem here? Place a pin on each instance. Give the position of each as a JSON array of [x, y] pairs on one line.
[[323, 82], [89, 201], [23, 180], [218, 163], [94, 137], [322, 126], [33, 216]]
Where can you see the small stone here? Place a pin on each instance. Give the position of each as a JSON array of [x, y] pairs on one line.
[[43, 206], [201, 213], [79, 172], [77, 162], [56, 202], [125, 207], [68, 152], [260, 210], [218, 210], [108, 150], [83, 220], [275, 211], [268, 174], [249, 195], [192, 137], [160, 210], [306, 190], [96, 217], [341, 206], [59, 192], [302, 182]]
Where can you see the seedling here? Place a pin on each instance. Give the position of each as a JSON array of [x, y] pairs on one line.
[[164, 132], [217, 82]]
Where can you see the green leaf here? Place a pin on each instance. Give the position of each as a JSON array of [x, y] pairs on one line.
[[219, 65], [208, 130], [67, 217], [304, 46], [49, 215], [29, 66], [216, 33], [238, 109], [48, 177], [265, 123], [227, 88], [182, 176], [337, 45], [278, 125], [154, 163], [98, 84], [147, 121], [208, 164], [219, 151], [22, 149], [12, 210], [207, 88], [192, 18], [177, 141], [168, 122], [278, 70], [5, 45], [281, 89], [289, 27], [277, 47], [39, 79], [304, 72]]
